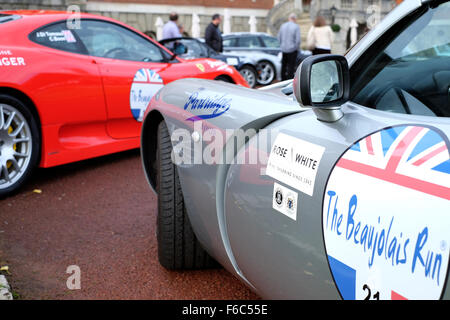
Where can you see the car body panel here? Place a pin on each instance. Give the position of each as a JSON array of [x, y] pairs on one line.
[[83, 102], [245, 229], [298, 255], [296, 247], [176, 107]]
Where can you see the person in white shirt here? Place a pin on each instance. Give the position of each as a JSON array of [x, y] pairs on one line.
[[171, 29], [320, 37]]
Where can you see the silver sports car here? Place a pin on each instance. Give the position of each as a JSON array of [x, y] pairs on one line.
[[333, 185]]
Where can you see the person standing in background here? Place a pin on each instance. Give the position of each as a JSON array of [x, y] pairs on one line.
[[213, 36], [320, 37], [289, 38], [170, 29]]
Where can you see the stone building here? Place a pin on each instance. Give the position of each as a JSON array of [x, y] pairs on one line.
[[360, 15], [239, 15], [148, 15]]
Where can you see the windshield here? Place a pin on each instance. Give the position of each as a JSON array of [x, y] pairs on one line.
[[413, 66], [195, 49]]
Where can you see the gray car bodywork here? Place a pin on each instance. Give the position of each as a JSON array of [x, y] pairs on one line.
[[230, 205]]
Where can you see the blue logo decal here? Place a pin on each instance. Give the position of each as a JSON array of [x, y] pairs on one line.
[[213, 106]]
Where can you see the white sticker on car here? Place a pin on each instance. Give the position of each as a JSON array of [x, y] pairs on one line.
[[146, 83], [295, 162], [55, 36], [12, 61], [219, 65], [9, 60], [386, 215], [284, 200]]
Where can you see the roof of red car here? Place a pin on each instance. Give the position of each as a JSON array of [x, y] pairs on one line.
[[49, 13], [33, 12]]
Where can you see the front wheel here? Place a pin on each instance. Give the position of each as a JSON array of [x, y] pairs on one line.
[[266, 72], [19, 144], [178, 247]]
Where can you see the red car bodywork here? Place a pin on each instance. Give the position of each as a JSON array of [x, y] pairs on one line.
[[82, 102]]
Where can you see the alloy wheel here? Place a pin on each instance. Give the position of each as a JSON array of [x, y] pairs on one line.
[[15, 145], [266, 72]]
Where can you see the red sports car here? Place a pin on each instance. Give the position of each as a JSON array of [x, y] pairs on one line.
[[72, 89]]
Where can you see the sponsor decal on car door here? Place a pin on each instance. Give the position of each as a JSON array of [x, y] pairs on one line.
[[385, 215], [146, 83]]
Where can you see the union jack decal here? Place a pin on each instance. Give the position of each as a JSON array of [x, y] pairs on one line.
[[148, 76], [145, 84], [411, 156]]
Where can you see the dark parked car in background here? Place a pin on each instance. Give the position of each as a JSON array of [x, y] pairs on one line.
[[247, 42], [191, 48]]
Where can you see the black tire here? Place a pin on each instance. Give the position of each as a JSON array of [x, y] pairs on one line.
[[16, 175], [178, 247]]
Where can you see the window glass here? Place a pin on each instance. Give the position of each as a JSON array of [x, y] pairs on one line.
[[58, 36], [229, 42], [108, 40], [412, 73], [271, 42], [195, 49], [249, 42]]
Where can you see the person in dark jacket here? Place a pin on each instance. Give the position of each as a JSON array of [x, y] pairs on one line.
[[213, 36]]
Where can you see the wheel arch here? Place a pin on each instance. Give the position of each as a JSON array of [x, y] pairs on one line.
[[249, 65], [149, 145], [25, 99], [225, 77], [29, 103]]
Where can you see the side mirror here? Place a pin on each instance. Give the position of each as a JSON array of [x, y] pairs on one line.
[[323, 83]]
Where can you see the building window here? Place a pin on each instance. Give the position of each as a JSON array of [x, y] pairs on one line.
[[347, 4]]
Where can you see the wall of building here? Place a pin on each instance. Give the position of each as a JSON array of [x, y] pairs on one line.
[[143, 15], [37, 4], [366, 13], [252, 4]]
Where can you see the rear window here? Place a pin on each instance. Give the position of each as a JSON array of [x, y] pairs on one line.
[[270, 42], [8, 17], [229, 42], [58, 36]]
